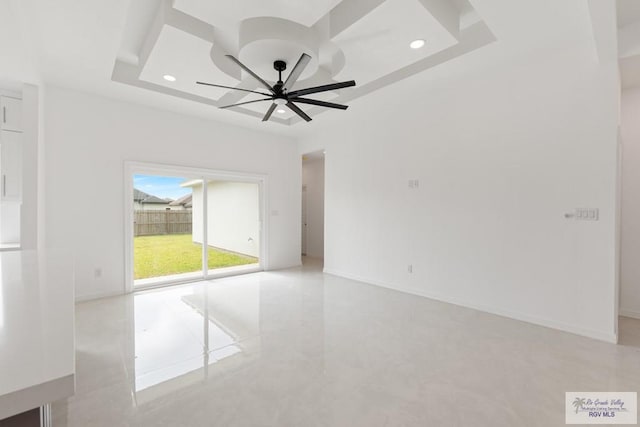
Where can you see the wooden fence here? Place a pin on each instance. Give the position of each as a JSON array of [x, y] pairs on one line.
[[149, 223]]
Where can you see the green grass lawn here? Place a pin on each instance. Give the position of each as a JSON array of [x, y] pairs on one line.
[[156, 256]]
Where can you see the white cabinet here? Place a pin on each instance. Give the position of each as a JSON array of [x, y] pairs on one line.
[[10, 166], [11, 111]]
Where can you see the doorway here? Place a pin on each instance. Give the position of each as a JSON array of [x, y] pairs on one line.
[[312, 209], [188, 224]]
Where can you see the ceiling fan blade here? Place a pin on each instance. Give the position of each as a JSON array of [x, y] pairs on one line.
[[320, 103], [231, 87], [247, 102], [293, 107], [297, 70], [323, 88], [269, 112], [254, 75]]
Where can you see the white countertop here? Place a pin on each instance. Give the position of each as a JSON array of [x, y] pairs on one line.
[[37, 355]]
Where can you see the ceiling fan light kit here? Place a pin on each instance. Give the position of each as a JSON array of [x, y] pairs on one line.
[[280, 94]]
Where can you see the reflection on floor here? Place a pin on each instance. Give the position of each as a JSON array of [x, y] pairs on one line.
[[299, 348], [177, 338]]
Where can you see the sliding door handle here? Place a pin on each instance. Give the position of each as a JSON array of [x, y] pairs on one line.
[[4, 115], [4, 185]]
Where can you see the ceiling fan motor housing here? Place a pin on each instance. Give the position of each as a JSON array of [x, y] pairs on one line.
[[279, 65]]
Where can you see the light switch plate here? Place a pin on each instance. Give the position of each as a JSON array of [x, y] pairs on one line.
[[587, 214]]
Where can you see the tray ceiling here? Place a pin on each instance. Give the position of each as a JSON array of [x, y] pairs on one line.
[[367, 41]]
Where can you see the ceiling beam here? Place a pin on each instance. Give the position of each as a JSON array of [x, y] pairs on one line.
[[446, 14], [348, 12]]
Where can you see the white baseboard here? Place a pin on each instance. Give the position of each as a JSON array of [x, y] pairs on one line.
[[577, 330], [629, 313], [283, 266]]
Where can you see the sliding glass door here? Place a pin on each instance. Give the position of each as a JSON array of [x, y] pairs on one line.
[[190, 227], [164, 247]]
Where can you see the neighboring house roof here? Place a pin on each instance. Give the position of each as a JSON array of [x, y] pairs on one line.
[[142, 197], [139, 195], [185, 201], [154, 200]]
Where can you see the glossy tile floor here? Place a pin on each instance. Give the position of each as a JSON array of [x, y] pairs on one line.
[[299, 348]]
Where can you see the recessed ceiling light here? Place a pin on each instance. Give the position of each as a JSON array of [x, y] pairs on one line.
[[416, 44], [169, 78], [281, 111]]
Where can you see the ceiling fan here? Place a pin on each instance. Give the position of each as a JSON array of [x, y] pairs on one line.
[[280, 93]]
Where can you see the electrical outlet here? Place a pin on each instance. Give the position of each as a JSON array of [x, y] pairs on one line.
[[97, 273]]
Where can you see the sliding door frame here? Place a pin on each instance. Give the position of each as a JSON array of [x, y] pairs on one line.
[[132, 168]]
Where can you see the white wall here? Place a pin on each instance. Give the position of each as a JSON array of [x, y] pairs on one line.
[[630, 247], [16, 46], [313, 180], [233, 211], [88, 140], [501, 154]]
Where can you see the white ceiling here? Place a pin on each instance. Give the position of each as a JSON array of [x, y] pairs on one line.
[[346, 40], [185, 56], [75, 43], [378, 44]]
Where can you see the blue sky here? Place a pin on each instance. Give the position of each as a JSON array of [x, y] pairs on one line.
[[161, 186]]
